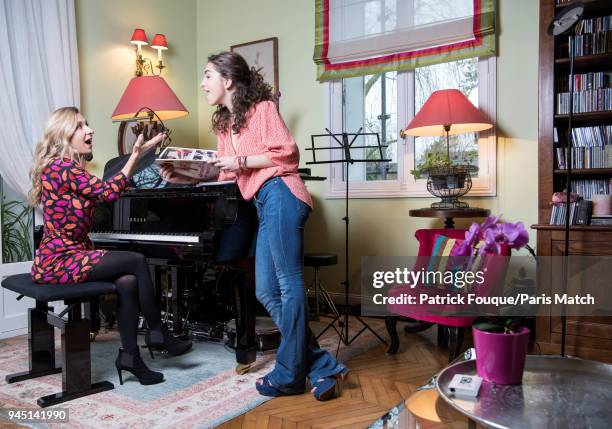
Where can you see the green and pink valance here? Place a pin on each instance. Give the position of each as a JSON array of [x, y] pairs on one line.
[[363, 37]]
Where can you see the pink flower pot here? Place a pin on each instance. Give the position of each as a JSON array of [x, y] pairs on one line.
[[500, 358]]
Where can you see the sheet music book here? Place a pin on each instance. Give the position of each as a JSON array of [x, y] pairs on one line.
[[190, 162]]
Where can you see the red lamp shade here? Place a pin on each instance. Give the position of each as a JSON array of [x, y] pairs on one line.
[[451, 108], [139, 37], [159, 42], [152, 92]]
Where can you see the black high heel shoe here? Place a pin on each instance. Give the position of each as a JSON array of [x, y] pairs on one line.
[[165, 340], [134, 364]]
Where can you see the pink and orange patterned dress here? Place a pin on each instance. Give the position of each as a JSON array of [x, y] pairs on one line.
[[68, 201]]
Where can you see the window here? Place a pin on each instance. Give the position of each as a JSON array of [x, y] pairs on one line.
[[384, 103]]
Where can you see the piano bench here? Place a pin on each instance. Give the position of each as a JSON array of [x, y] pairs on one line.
[[76, 362]]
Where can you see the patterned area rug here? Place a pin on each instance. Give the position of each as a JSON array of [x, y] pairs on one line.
[[202, 389]]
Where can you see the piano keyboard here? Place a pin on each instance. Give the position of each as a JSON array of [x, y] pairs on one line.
[[127, 236]]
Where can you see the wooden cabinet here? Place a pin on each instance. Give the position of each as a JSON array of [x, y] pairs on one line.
[[587, 337]]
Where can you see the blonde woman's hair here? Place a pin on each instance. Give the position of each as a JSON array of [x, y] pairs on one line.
[[55, 143]]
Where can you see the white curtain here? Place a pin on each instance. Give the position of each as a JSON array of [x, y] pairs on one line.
[[39, 72]]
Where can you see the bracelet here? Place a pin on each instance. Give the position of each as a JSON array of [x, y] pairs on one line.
[[242, 162]]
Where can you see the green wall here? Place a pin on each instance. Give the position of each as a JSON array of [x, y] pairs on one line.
[[382, 226], [197, 28], [106, 62]]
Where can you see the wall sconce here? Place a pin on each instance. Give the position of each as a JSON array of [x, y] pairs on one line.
[[159, 43], [139, 38]]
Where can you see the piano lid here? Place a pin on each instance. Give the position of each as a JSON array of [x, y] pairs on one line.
[[146, 174]]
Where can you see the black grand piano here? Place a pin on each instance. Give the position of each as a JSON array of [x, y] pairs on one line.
[[184, 233]]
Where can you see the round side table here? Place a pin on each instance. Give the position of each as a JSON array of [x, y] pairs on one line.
[[450, 214], [556, 392]]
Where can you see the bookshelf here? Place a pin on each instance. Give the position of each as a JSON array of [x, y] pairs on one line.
[[577, 172], [585, 119], [587, 337], [584, 63]]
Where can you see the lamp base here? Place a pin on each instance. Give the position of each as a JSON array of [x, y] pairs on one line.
[[450, 183]]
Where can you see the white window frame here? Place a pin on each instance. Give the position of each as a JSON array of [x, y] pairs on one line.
[[405, 185]]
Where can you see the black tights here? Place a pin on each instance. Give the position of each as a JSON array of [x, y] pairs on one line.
[[129, 272]]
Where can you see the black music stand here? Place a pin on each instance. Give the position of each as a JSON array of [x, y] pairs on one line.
[[345, 145]]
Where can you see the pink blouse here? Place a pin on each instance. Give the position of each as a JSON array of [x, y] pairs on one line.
[[266, 134]]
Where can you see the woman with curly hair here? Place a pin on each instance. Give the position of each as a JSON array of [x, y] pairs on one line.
[[256, 149], [68, 195]]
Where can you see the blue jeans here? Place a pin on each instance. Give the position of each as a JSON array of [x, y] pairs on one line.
[[235, 241], [279, 267]]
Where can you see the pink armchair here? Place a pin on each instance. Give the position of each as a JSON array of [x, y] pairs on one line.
[[451, 328]]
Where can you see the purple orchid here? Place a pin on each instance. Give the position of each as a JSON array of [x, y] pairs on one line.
[[493, 239], [516, 235], [464, 254], [493, 235], [474, 235], [513, 235], [489, 222]]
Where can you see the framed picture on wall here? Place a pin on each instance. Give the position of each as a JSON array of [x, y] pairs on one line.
[[263, 55]]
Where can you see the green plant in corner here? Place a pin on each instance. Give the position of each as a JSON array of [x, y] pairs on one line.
[[16, 232]]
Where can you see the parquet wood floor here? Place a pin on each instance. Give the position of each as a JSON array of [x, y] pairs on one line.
[[377, 382]]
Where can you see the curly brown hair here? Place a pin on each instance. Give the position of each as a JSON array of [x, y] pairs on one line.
[[250, 89]]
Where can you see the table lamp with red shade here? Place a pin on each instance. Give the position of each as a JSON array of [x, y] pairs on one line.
[[448, 112]]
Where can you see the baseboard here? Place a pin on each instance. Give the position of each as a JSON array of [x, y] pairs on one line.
[[13, 333]]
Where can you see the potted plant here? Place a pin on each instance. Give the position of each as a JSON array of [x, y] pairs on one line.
[[444, 174], [501, 348], [433, 160], [16, 232], [500, 342]]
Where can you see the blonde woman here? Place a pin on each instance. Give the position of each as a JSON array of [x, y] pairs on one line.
[[68, 194]]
